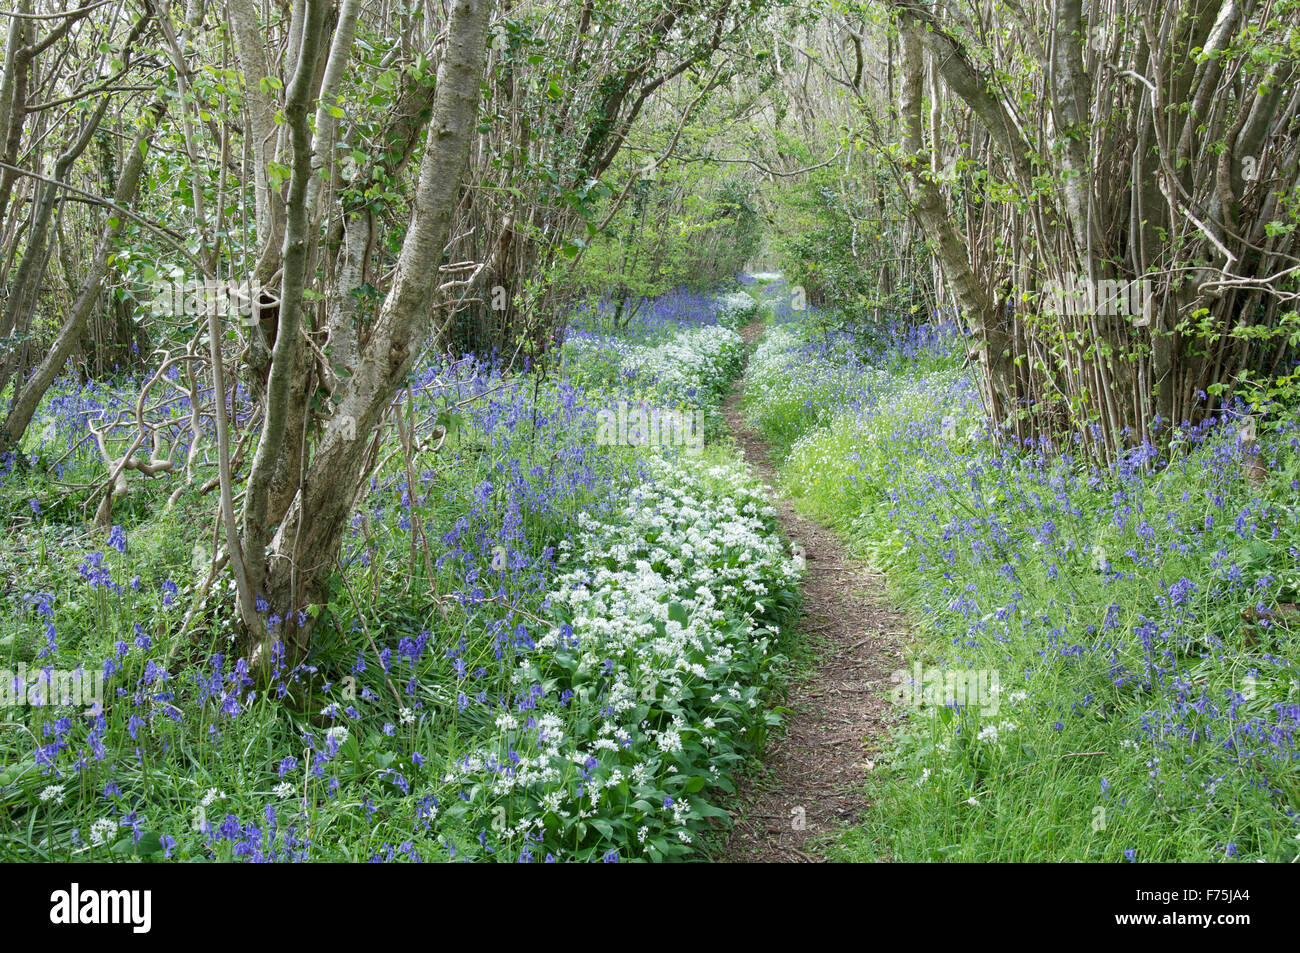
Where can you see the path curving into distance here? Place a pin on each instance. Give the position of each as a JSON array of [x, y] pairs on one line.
[[810, 783]]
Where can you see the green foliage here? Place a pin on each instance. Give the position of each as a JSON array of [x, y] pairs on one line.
[[844, 238], [679, 229], [1140, 624], [553, 582]]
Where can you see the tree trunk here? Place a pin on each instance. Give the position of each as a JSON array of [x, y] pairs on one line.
[[982, 309], [30, 392], [294, 571]]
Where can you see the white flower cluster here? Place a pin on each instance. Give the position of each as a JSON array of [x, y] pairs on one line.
[[992, 732], [664, 606], [102, 831], [771, 356], [697, 359], [736, 309]]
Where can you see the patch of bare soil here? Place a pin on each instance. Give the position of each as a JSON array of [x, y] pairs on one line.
[[810, 783]]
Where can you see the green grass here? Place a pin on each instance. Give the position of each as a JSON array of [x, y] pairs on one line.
[[1140, 715]]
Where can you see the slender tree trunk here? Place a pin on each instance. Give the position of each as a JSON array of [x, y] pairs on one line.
[[982, 309], [296, 567], [30, 392]]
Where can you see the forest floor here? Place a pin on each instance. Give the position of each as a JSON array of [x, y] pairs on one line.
[[811, 780]]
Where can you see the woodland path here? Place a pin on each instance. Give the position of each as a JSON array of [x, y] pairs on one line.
[[811, 779]]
